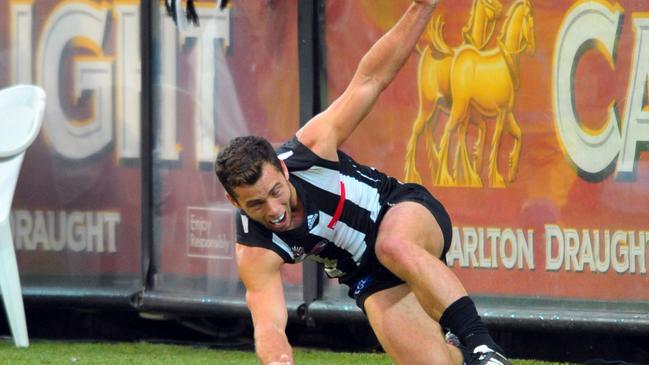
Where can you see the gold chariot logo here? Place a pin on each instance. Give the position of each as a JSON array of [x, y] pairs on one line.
[[469, 84]]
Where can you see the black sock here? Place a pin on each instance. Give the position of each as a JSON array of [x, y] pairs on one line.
[[463, 320]]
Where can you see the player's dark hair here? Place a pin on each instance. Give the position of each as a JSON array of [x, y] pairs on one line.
[[241, 161]]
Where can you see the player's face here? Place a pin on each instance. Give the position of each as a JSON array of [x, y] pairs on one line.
[[270, 200]]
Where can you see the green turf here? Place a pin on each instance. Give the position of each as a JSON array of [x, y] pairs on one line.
[[81, 353]]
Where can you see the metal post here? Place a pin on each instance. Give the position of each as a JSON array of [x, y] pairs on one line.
[[148, 21], [310, 62]]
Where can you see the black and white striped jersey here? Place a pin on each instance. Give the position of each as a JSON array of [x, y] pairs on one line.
[[342, 201]]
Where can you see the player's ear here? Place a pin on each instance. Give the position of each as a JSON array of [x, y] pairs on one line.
[[284, 168], [232, 200]]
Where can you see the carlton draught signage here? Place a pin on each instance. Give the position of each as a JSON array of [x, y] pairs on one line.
[[528, 120]]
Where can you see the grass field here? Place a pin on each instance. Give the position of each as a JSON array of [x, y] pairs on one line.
[[141, 353]]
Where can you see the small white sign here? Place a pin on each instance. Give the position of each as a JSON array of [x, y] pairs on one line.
[[210, 232]]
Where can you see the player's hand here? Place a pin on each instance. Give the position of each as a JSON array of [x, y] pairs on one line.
[[283, 360]]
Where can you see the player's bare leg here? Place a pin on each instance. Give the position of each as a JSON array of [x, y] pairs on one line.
[[405, 330], [409, 243]]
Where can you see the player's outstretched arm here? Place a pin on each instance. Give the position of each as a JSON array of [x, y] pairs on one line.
[[328, 130], [259, 271]]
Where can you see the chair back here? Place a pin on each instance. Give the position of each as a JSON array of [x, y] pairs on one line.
[[21, 114]]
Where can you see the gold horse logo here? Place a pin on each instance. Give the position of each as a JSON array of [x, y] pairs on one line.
[[433, 77], [470, 83]]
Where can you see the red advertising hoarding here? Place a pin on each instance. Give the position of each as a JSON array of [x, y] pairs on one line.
[[236, 74], [77, 208], [528, 120]]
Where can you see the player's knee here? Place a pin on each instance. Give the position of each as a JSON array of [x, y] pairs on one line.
[[392, 251]]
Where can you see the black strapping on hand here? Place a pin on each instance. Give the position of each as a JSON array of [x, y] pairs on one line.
[[190, 12], [170, 5], [192, 16]]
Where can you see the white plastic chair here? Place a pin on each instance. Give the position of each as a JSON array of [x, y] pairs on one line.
[[21, 114]]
